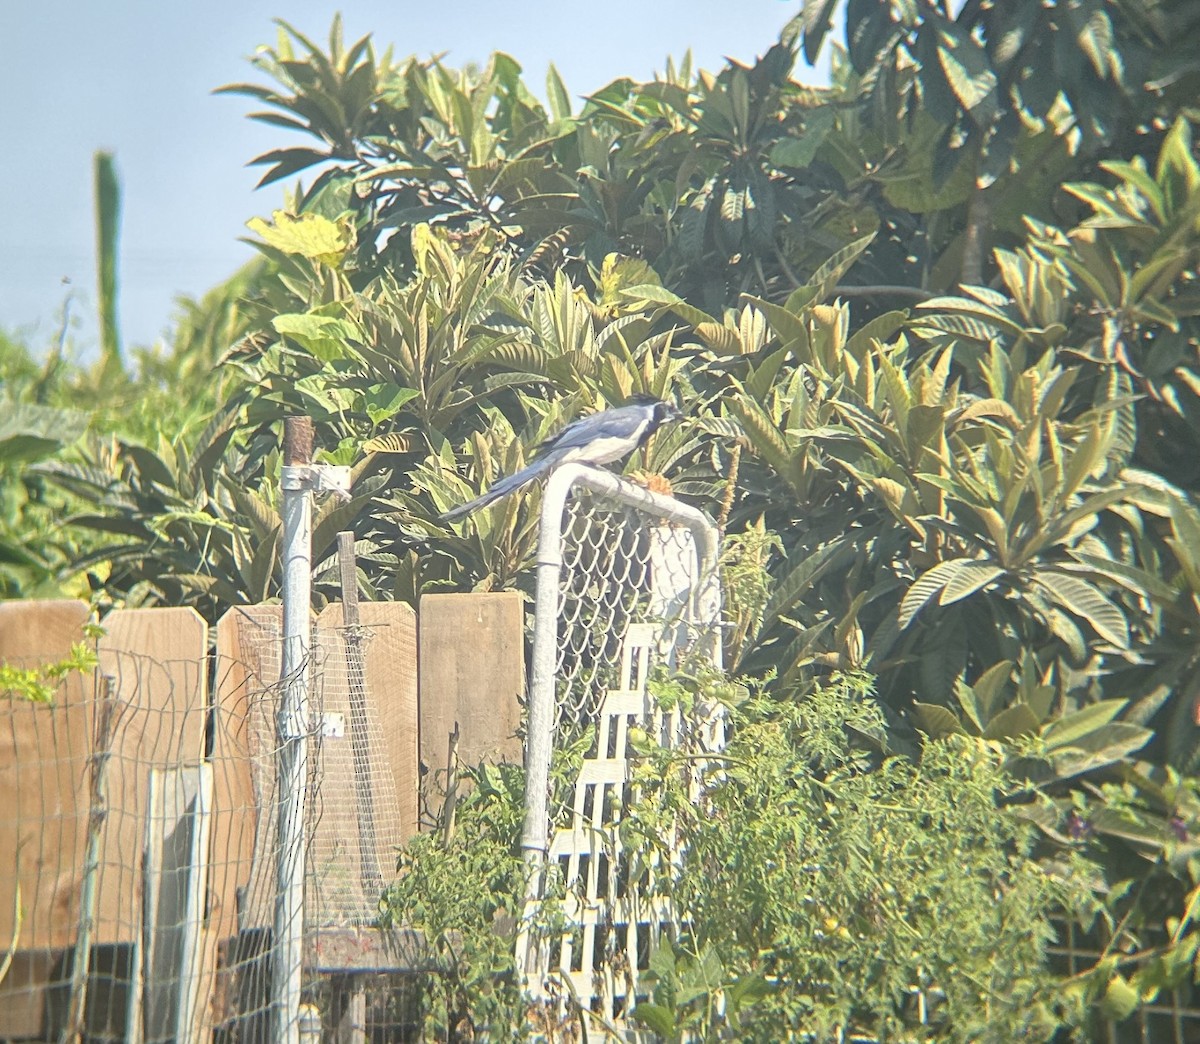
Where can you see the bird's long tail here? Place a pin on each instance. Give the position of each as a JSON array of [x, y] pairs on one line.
[[502, 488]]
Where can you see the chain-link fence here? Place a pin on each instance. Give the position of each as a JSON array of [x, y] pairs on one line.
[[626, 580]]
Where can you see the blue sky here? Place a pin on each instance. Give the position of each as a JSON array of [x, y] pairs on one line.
[[135, 77]]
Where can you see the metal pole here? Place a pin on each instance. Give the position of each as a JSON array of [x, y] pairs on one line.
[[545, 662], [540, 736], [292, 731]]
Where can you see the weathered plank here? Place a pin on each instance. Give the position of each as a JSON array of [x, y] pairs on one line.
[[43, 781], [385, 646], [367, 950], [247, 671], [42, 631], [156, 658], [472, 673]]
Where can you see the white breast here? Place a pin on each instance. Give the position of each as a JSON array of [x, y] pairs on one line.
[[600, 451]]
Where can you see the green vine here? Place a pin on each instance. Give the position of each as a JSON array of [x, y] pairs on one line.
[[39, 684]]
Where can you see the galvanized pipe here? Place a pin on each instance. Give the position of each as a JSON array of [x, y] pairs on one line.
[[540, 742], [292, 727]]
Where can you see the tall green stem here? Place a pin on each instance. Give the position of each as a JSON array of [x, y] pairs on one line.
[[108, 220]]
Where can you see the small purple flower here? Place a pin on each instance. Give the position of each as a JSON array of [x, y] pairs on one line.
[[1178, 827], [1078, 828]]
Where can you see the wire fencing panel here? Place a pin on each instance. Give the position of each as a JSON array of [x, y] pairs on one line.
[[362, 795], [137, 810], [109, 888], [633, 586], [346, 858]]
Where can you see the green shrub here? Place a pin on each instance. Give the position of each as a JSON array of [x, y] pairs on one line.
[[832, 888], [462, 889]]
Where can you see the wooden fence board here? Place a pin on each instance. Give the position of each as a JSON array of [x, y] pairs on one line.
[[156, 658], [472, 672], [390, 663], [245, 669], [40, 632], [43, 780]]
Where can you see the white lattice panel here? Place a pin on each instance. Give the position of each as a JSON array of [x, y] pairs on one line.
[[616, 923]]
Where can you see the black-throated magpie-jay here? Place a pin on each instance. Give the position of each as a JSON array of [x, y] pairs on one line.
[[597, 439]]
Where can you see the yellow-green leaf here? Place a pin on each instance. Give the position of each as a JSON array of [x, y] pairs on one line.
[[322, 335], [307, 235], [1120, 998]]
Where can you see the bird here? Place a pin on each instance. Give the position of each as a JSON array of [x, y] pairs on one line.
[[599, 438]]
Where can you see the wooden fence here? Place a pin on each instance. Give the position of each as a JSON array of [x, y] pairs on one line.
[[143, 795]]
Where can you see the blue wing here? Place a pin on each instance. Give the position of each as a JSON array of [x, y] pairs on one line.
[[625, 422], [598, 439]]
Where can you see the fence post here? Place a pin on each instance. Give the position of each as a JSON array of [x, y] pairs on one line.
[[540, 730], [292, 731]]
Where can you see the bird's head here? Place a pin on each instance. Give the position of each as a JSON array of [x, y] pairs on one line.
[[660, 412], [666, 411]]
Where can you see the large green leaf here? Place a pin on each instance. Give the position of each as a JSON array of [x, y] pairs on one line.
[[823, 281], [964, 62], [327, 338], [1018, 720], [1106, 745], [967, 575], [657, 294], [1084, 600], [656, 1017], [29, 432], [1068, 729], [969, 578], [800, 579], [935, 720]]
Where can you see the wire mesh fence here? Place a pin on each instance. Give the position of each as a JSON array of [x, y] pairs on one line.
[[361, 803], [137, 811], [87, 818], [626, 582], [353, 821]]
